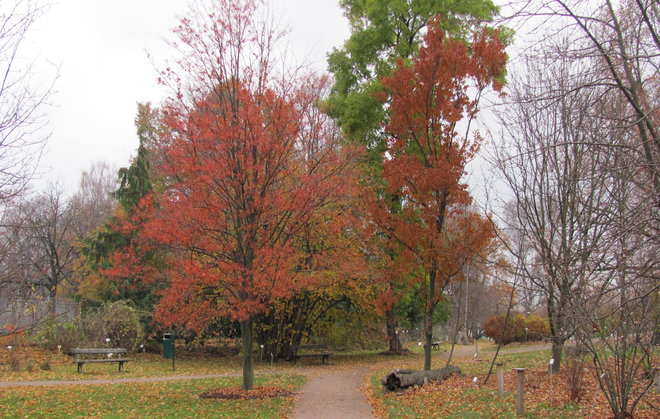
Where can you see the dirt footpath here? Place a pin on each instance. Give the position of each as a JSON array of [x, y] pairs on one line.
[[334, 395]]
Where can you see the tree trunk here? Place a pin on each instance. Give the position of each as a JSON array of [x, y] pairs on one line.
[[428, 320], [557, 350], [52, 302], [248, 368], [401, 379], [556, 320], [392, 336]]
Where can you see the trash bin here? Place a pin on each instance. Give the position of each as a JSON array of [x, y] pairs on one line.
[[168, 345]]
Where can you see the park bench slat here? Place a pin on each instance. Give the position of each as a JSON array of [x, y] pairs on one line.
[[91, 361]]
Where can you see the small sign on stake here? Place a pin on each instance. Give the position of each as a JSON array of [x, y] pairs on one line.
[[552, 362]]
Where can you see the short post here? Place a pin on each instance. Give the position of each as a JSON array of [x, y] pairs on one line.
[[520, 399], [500, 379], [656, 379]]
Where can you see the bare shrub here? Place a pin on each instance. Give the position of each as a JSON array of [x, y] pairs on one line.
[[576, 368], [119, 322]]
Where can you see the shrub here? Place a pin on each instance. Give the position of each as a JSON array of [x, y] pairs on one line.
[[494, 326], [537, 327], [14, 361], [119, 322], [29, 366], [518, 329], [575, 378], [57, 334]]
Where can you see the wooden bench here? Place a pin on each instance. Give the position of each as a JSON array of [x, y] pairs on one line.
[[321, 352], [82, 356]]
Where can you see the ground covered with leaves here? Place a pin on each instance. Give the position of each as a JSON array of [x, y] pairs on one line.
[[461, 396], [237, 393]]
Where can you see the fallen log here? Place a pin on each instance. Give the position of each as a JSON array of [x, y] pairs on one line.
[[401, 379]]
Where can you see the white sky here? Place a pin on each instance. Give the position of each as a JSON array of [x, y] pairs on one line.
[[101, 47]]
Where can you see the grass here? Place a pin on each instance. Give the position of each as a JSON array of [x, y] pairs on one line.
[[150, 365], [142, 365], [173, 399]]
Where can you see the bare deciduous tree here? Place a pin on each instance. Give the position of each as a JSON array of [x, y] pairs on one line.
[[582, 164], [50, 220], [620, 318], [618, 44], [549, 164], [94, 200], [22, 99]]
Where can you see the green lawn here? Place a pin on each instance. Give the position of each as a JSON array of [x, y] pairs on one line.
[[174, 399], [142, 365]]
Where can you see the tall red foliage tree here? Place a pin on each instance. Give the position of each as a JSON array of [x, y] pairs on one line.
[[426, 157], [241, 183]]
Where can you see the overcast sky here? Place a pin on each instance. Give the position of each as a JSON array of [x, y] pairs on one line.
[[101, 50]]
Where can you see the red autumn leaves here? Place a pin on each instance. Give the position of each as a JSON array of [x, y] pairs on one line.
[[257, 193]]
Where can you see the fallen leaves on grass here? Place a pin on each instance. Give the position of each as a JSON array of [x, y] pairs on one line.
[[461, 396], [259, 392]]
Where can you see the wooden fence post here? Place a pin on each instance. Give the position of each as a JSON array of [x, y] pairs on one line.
[[520, 399]]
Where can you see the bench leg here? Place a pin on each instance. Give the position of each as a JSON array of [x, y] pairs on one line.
[[121, 367], [80, 367]]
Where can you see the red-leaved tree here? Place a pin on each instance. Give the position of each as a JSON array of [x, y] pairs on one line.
[[240, 182], [426, 156]]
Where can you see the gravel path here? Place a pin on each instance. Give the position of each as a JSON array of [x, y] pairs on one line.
[[334, 395]]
